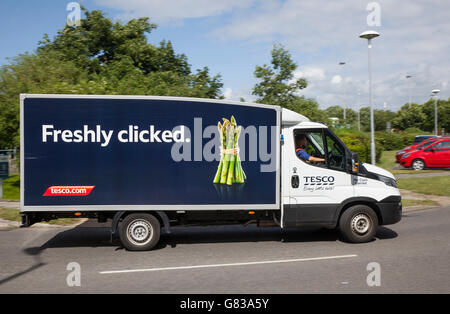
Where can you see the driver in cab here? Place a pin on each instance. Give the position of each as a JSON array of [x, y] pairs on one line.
[[300, 145]]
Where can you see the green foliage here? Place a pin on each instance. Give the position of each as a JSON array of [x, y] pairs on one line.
[[359, 142], [99, 57], [278, 85], [380, 118], [391, 141], [422, 116]]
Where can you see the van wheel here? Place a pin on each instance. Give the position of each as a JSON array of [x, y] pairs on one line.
[[139, 232], [418, 164], [358, 224]]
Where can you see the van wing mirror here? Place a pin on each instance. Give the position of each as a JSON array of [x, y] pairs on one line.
[[355, 163]]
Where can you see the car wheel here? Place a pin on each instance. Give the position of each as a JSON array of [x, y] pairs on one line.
[[358, 224], [418, 164], [139, 232]]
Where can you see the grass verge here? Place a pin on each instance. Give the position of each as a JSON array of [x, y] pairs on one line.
[[11, 188], [387, 160], [10, 214], [408, 203], [13, 214], [430, 185]]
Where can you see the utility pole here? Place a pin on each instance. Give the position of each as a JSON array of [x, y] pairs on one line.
[[434, 93], [345, 91], [409, 90]]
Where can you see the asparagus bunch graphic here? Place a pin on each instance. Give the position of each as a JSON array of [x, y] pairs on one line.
[[230, 169]]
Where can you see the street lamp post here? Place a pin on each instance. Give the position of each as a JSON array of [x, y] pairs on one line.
[[345, 92], [409, 90], [434, 93], [359, 112], [369, 35]]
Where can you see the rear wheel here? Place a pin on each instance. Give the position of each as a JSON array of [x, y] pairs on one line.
[[139, 232], [358, 224], [418, 164]]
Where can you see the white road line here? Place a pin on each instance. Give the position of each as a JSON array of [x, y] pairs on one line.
[[227, 265]]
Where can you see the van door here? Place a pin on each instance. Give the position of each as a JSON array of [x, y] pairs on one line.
[[316, 189]]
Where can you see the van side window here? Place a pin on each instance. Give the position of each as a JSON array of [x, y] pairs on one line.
[[335, 153], [310, 144]]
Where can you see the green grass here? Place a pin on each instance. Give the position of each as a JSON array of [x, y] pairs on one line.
[[408, 203], [11, 188], [10, 214], [387, 160], [430, 185], [13, 214]]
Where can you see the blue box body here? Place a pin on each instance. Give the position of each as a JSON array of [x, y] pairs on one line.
[[137, 173]]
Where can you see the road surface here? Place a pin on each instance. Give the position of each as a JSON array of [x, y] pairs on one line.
[[413, 257]]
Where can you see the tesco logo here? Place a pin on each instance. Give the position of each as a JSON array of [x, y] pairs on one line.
[[319, 179], [69, 190]]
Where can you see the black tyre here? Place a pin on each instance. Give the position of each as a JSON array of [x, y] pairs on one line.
[[418, 164], [358, 224], [139, 232]]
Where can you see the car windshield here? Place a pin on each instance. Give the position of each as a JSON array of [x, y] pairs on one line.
[[425, 144], [419, 139]]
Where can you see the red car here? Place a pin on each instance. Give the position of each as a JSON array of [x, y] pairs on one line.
[[435, 154], [412, 147]]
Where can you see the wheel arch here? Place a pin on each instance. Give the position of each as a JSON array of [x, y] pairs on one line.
[[368, 201]]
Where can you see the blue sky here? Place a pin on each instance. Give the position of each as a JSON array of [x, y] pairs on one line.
[[231, 37]]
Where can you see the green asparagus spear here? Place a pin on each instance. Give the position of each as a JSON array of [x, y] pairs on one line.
[[227, 157]]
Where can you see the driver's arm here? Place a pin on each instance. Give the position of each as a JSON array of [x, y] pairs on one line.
[[316, 159]]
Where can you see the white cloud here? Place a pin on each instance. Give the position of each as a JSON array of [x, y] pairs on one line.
[[336, 79], [228, 94], [162, 11], [310, 73], [413, 41]]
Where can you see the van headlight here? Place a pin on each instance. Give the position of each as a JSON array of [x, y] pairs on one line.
[[388, 181], [400, 152]]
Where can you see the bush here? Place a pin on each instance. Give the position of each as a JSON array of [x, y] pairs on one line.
[[391, 141], [397, 141], [359, 142]]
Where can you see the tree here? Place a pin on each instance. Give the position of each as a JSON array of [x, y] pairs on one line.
[[99, 57], [443, 115], [409, 117], [351, 116], [380, 118], [278, 86]]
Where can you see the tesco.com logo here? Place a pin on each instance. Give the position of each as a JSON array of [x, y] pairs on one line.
[[69, 190]]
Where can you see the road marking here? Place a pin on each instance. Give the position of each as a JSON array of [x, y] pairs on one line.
[[227, 265]]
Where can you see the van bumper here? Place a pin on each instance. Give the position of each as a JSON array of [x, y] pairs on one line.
[[390, 210]]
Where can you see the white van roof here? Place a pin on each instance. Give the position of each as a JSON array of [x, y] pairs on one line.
[[289, 117]]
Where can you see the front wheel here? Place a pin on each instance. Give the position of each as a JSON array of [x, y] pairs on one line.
[[358, 224], [418, 164], [139, 232]]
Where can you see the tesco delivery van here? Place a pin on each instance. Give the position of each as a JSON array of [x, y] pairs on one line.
[[148, 163]]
